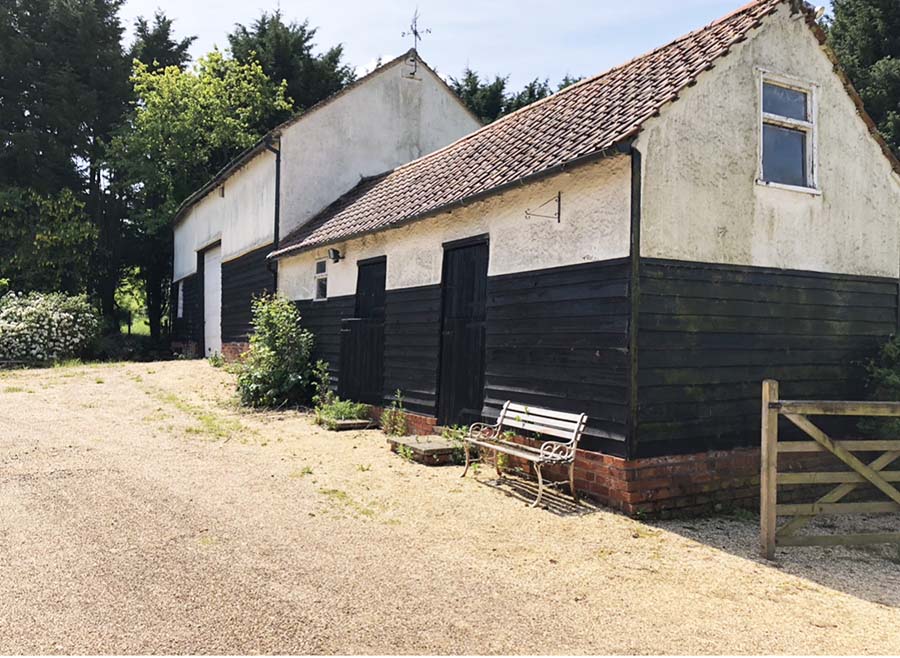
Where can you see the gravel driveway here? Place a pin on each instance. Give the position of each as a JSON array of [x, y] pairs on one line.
[[142, 512]]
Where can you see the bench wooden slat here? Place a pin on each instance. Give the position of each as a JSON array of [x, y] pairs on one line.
[[541, 420], [540, 411], [541, 429]]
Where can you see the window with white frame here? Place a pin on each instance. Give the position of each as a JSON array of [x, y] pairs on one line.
[[180, 312], [321, 281], [788, 133]]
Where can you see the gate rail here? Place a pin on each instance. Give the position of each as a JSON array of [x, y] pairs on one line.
[[861, 473]]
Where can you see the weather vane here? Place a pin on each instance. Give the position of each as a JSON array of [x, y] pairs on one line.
[[414, 30]]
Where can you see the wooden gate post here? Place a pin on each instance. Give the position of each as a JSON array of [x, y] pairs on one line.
[[768, 492]]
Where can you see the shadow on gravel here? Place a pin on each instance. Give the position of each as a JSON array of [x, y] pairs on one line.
[[555, 500], [871, 573]]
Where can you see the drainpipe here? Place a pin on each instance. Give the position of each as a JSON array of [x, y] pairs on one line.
[[272, 265]]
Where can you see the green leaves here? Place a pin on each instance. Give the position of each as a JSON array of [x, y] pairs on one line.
[[187, 125], [865, 36], [278, 369], [45, 240]]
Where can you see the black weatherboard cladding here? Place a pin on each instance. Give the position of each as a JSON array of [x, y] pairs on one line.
[[242, 279], [323, 318], [558, 338], [709, 334], [412, 334], [190, 325]]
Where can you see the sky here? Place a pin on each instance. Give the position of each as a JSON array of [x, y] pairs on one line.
[[523, 39]]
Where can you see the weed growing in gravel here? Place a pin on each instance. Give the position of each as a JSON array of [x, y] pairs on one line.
[[210, 423], [17, 389], [343, 498], [303, 472], [405, 452], [99, 380], [363, 468]]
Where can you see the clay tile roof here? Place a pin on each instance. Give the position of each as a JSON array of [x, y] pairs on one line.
[[586, 119]]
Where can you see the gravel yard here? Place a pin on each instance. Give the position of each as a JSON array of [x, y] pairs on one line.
[[142, 512]]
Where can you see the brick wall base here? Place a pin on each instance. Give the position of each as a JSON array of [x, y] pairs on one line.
[[415, 423], [676, 485], [233, 351]]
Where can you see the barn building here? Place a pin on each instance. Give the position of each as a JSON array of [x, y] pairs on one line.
[[224, 231], [644, 246]]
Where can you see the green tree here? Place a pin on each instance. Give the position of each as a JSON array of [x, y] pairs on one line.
[[486, 98], [285, 51], [46, 241], [186, 125], [490, 99], [63, 90], [865, 36], [156, 46]]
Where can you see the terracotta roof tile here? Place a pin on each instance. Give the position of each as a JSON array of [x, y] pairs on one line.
[[588, 118]]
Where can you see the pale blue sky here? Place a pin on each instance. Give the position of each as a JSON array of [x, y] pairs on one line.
[[525, 39]]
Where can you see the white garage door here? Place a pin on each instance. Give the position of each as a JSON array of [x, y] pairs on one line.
[[212, 300]]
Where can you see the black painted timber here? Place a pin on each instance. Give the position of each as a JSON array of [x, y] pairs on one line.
[[323, 319], [558, 338], [242, 279], [709, 334], [189, 327], [412, 331]]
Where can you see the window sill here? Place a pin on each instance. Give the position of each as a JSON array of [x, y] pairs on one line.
[[320, 299], [812, 191]]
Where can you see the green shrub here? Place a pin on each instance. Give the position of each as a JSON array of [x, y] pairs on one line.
[[277, 370], [46, 327], [393, 419], [336, 409], [883, 383]]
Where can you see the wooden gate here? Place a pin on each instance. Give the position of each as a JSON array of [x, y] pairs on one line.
[[862, 472]]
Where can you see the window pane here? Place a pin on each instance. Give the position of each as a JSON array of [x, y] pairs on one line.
[[321, 288], [320, 267], [784, 156], [784, 102]]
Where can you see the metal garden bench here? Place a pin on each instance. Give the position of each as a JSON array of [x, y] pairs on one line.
[[566, 427]]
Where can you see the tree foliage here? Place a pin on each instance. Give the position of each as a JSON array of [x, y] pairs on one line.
[[489, 98], [865, 36], [187, 125], [286, 52], [45, 241], [156, 46]]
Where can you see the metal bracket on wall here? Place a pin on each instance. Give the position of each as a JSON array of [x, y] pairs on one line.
[[557, 216]]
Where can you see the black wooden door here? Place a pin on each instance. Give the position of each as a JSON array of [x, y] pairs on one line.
[[461, 386], [362, 338]]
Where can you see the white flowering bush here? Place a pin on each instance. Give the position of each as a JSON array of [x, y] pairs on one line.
[[45, 327]]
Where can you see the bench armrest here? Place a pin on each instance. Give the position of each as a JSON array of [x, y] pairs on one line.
[[483, 431], [556, 451]]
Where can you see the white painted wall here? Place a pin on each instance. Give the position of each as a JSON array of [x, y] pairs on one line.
[[700, 198], [387, 121], [243, 219], [596, 207]]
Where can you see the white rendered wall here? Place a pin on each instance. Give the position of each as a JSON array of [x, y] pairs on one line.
[[387, 121], [243, 218], [596, 203], [700, 198]]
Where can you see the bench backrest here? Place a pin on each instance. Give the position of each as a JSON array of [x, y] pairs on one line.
[[565, 427]]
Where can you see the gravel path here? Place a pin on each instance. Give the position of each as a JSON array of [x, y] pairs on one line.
[[142, 512]]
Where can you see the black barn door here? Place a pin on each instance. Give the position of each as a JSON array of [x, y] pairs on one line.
[[362, 338], [461, 391]]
